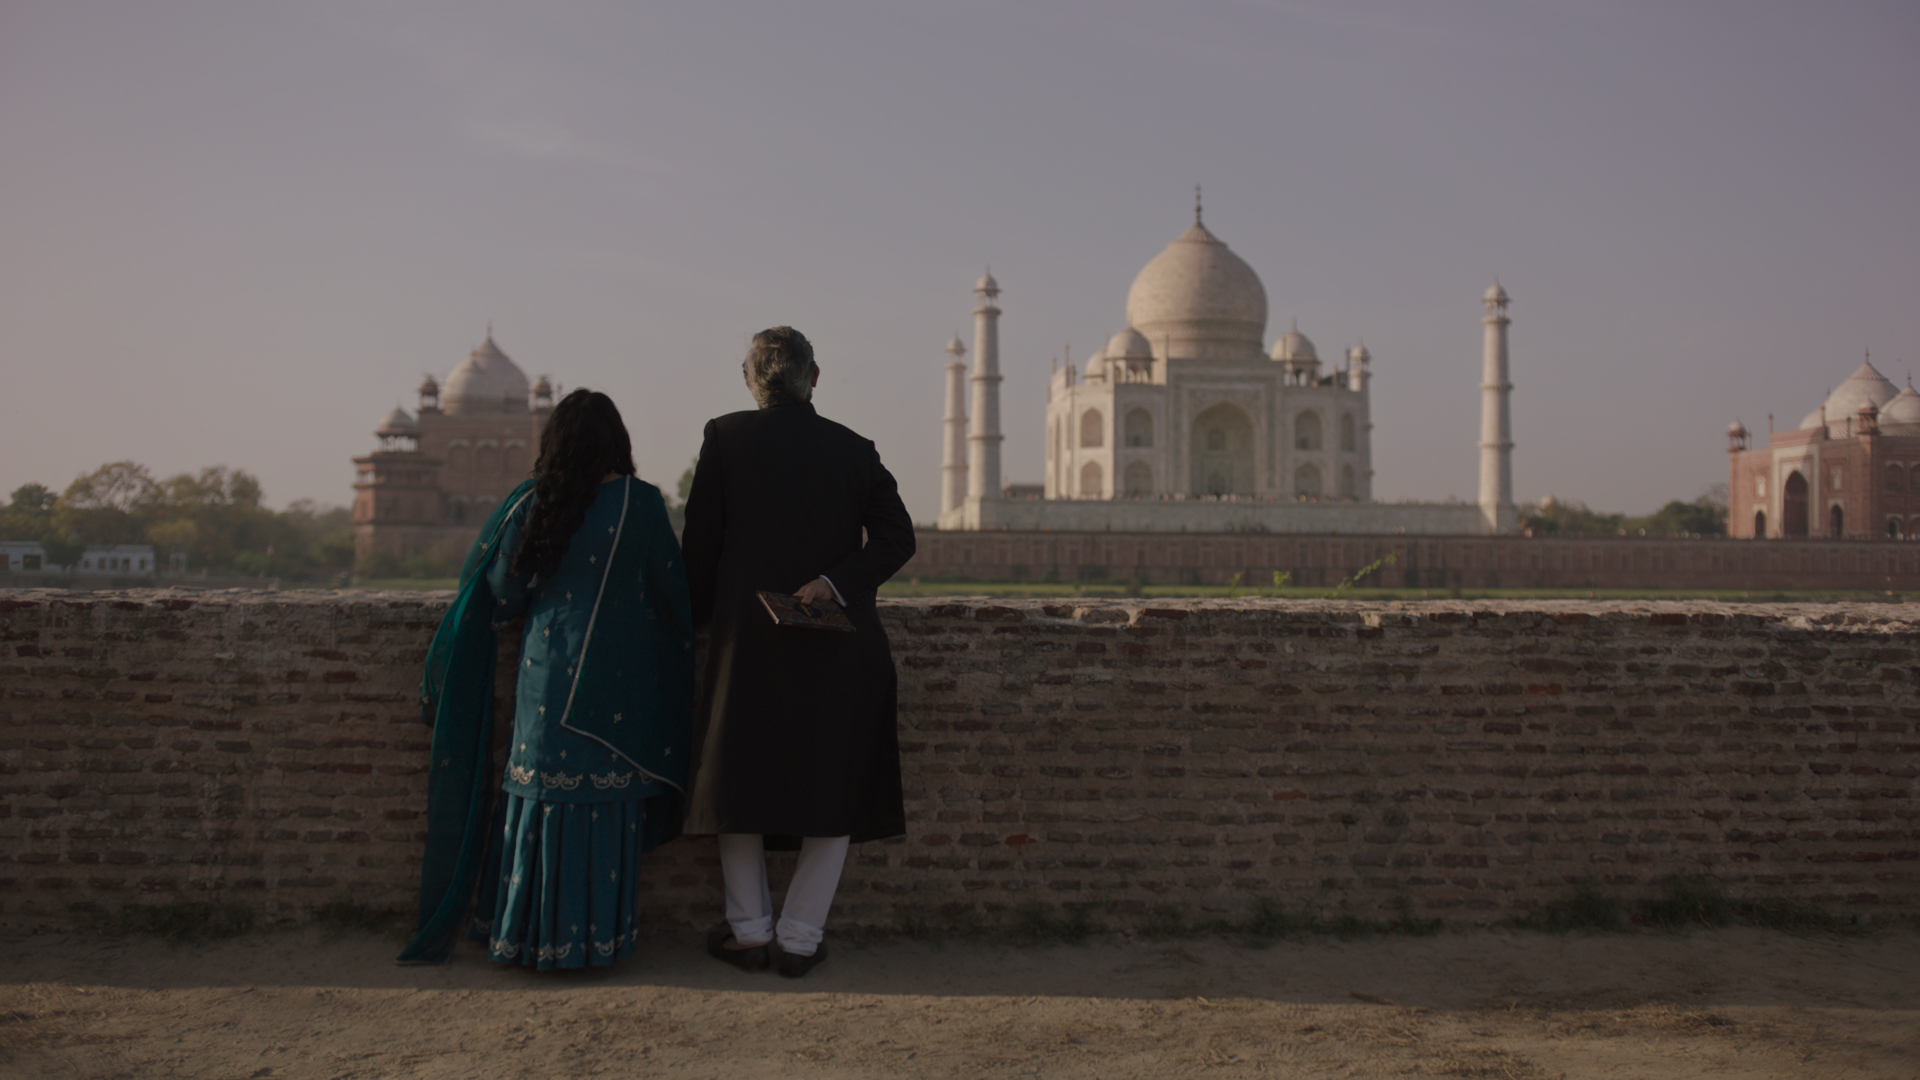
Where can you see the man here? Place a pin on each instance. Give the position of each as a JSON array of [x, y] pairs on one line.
[[800, 746]]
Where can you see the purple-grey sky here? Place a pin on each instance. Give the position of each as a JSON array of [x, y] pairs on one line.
[[238, 232]]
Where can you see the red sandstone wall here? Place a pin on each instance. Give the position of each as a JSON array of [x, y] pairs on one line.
[[1420, 562], [264, 748]]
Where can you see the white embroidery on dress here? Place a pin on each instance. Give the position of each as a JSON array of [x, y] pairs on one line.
[[563, 781], [604, 781], [519, 775]]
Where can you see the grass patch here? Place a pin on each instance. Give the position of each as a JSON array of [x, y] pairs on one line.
[[182, 922]]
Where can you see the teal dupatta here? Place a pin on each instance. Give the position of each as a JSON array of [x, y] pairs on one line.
[[456, 699]]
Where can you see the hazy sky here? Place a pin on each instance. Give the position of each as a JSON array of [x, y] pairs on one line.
[[239, 232]]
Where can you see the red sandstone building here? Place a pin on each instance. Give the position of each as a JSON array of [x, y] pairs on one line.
[[1850, 470], [435, 478]]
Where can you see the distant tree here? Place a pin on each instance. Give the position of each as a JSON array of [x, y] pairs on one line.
[[1704, 516], [113, 504], [32, 499], [1555, 518], [378, 564], [677, 509], [29, 514], [62, 551], [686, 479], [216, 516]]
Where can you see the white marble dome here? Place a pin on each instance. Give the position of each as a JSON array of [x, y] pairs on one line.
[[1294, 345], [1903, 410], [486, 381], [1200, 299], [1866, 386], [1129, 344]]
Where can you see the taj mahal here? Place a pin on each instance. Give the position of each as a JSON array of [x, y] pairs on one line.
[[1186, 421]]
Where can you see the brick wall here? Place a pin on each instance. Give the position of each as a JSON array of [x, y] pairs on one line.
[[1419, 562], [264, 748]]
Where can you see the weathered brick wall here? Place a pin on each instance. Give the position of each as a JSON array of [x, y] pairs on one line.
[[1419, 562], [265, 748]]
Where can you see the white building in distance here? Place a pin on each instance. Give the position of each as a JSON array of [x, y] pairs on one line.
[[1186, 421]]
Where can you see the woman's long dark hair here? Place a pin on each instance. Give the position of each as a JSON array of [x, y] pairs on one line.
[[584, 440]]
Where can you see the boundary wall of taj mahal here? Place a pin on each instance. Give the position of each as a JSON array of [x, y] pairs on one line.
[[1471, 760], [1436, 563]]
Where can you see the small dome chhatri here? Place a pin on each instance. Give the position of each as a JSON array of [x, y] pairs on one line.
[[1294, 345], [1129, 344], [1903, 409]]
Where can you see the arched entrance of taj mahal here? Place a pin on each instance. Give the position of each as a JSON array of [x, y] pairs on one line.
[[1222, 451]]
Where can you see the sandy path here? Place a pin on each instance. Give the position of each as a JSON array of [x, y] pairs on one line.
[[1732, 1003]]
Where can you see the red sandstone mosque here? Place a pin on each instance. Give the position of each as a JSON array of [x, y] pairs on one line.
[[435, 477], [1850, 470]]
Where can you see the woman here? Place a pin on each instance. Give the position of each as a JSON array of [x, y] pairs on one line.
[[596, 767]]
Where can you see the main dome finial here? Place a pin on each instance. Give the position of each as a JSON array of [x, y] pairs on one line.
[[1196, 206]]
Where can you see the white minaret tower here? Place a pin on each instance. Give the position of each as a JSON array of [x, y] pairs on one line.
[[1496, 421], [953, 449], [983, 438]]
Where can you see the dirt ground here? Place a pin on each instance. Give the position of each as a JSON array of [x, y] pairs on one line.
[[299, 1004]]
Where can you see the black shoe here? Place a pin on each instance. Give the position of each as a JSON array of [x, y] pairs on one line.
[[752, 958], [795, 966]]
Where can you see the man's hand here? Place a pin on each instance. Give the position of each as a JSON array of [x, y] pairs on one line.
[[816, 591]]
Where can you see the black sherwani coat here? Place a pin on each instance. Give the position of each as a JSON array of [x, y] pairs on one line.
[[800, 725]]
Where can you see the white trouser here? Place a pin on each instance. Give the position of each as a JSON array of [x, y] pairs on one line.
[[803, 915]]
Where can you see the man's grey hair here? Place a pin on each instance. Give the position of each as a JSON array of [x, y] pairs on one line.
[[779, 367]]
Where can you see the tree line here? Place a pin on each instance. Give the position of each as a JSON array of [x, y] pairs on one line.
[[1704, 516], [214, 516]]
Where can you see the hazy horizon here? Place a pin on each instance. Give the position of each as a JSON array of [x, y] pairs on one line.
[[239, 234]]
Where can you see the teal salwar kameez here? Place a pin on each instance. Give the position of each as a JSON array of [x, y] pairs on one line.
[[596, 768]]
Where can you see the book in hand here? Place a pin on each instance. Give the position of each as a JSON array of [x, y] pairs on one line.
[[792, 611]]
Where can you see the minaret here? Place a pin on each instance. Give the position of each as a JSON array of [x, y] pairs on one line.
[[953, 451], [1496, 421], [983, 457]]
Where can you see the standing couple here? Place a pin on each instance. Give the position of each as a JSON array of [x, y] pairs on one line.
[[798, 748]]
